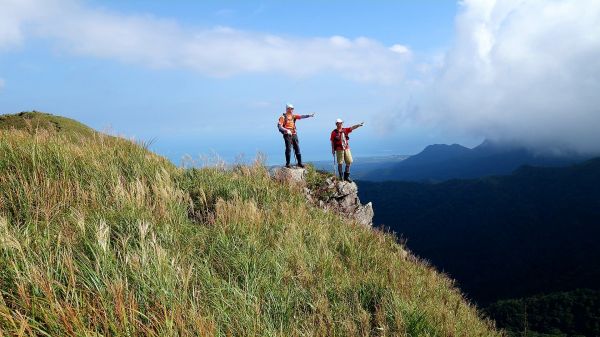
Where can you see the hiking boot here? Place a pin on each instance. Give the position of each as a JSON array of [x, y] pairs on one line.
[[288, 166], [287, 160], [300, 161], [347, 177]]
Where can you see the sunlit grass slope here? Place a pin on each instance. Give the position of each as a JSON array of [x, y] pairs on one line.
[[99, 236], [31, 121]]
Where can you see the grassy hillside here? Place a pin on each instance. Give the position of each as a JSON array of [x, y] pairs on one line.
[[31, 121], [100, 236]]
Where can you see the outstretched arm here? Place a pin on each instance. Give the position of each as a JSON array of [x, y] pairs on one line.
[[304, 116], [354, 127]]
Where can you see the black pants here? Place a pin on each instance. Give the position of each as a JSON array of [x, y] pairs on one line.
[[291, 140]]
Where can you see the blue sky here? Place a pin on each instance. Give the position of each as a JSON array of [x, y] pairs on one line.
[[212, 77], [422, 24]]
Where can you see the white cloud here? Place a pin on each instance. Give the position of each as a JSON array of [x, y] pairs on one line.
[[400, 49], [14, 14], [220, 51], [526, 71]]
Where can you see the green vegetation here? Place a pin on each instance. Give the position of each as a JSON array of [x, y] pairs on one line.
[[35, 120], [99, 236], [534, 231], [316, 178], [572, 313], [316, 181]]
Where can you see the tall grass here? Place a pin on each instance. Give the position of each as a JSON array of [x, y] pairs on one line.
[[98, 236]]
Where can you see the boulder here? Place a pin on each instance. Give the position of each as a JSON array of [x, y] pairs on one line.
[[334, 195], [363, 214], [294, 175], [343, 199]]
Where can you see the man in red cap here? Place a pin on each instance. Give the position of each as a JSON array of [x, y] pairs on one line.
[[339, 146], [287, 126]]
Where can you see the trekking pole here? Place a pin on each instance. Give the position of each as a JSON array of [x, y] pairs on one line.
[[295, 153], [334, 168]]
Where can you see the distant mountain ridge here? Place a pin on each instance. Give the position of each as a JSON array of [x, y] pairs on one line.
[[441, 162], [508, 236], [527, 237]]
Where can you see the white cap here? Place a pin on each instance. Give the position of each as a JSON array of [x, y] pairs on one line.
[[289, 106], [339, 120]]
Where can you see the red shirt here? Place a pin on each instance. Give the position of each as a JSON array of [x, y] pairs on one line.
[[340, 138]]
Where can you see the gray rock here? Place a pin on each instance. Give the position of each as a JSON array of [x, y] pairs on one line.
[[289, 175], [348, 203], [364, 214], [337, 196], [345, 188]]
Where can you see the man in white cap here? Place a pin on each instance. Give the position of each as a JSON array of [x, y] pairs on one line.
[[339, 146], [287, 126]]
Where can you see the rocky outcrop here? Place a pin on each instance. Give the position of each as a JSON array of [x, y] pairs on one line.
[[289, 175], [342, 197], [334, 195]]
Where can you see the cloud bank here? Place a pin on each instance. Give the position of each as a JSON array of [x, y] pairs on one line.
[[523, 71], [217, 51]]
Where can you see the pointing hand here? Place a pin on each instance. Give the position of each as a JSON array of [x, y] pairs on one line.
[[312, 115]]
